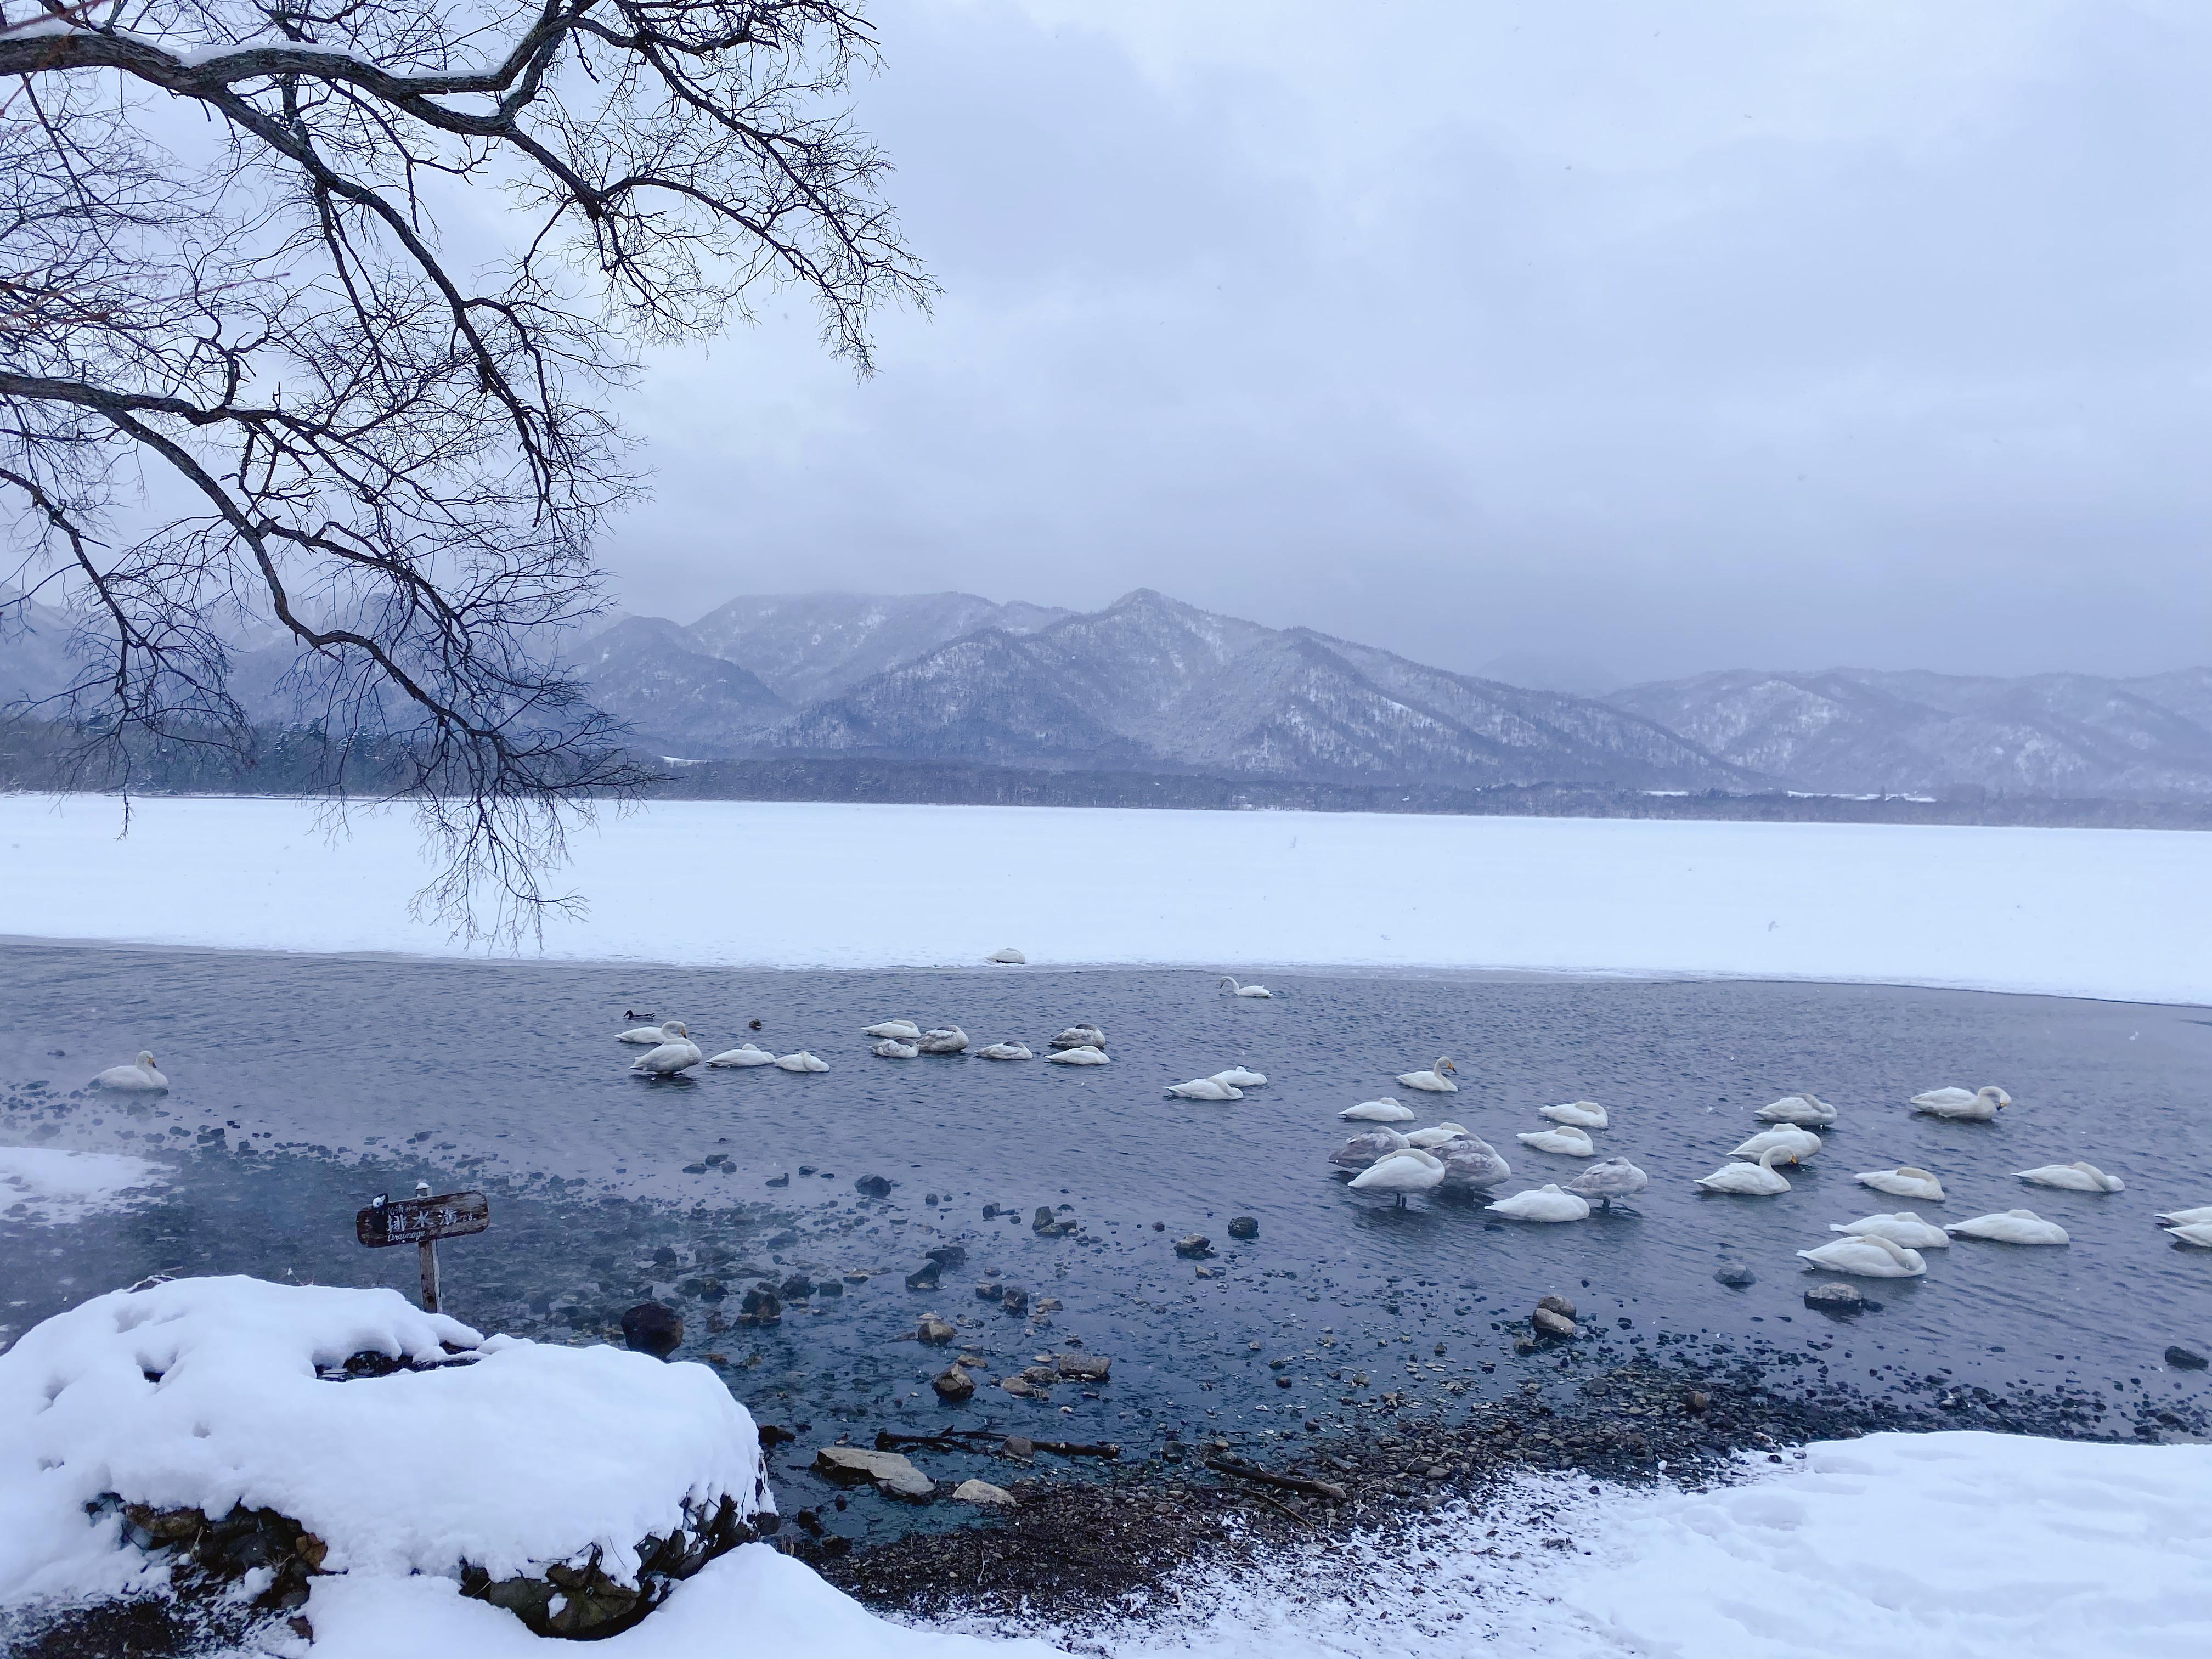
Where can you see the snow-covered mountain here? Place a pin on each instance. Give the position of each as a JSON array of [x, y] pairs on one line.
[[806, 647]]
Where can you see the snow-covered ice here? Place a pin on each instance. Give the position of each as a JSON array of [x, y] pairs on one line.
[[56, 1185], [2116, 913]]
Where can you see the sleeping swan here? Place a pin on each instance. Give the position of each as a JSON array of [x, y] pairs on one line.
[[1904, 1182], [1806, 1110], [1797, 1145], [2075, 1177], [1577, 1113], [1567, 1143], [1903, 1228], [678, 1054], [1385, 1110], [1979, 1106], [1869, 1255], [1541, 1203], [1412, 1170], [1204, 1088], [745, 1054], [2011, 1227], [648, 1036], [1753, 1180], [801, 1062]]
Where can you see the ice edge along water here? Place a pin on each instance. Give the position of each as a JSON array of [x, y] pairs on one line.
[[2120, 915]]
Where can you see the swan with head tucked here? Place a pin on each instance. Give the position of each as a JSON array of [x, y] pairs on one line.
[[139, 1077], [1004, 1051], [678, 1054], [745, 1054], [1230, 980], [2076, 1177], [1204, 1088], [1979, 1106], [801, 1062], [899, 1031], [650, 1036], [1436, 1136], [1752, 1180], [2198, 1233], [1807, 1110], [1904, 1182], [1084, 1055], [1577, 1113], [1541, 1203], [1385, 1110], [1903, 1228], [1079, 1037], [2186, 1217], [892, 1049], [1412, 1170], [1567, 1143], [1868, 1254], [1616, 1177], [1433, 1080], [1797, 1143], [1236, 1076], [1363, 1150], [942, 1040], [2010, 1227], [1472, 1162]]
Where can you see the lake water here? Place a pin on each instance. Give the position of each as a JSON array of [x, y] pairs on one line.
[[348, 1077]]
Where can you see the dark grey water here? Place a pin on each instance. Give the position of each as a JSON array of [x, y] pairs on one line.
[[352, 1076]]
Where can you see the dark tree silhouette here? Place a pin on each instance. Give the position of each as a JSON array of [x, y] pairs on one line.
[[309, 310]]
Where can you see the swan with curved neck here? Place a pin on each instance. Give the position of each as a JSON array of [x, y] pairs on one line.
[[1436, 1081], [1230, 980]]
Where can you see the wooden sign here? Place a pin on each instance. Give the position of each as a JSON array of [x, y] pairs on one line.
[[421, 1221]]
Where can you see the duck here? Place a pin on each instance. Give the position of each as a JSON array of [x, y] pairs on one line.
[[1084, 1055], [1205, 1088], [1363, 1150], [745, 1054], [900, 1030], [678, 1054], [1567, 1143], [1438, 1135], [1904, 1182], [1237, 1077], [1412, 1170], [1752, 1180], [1902, 1227], [943, 1040], [1614, 1178], [2010, 1227], [1004, 1051], [1799, 1144], [1869, 1255], [801, 1062], [2202, 1212], [651, 1037], [2076, 1177], [1471, 1161], [1385, 1110], [2198, 1233], [1230, 980], [1541, 1203], [1079, 1037], [892, 1049], [1433, 1080], [1979, 1106], [1805, 1109], [1580, 1114], [139, 1077]]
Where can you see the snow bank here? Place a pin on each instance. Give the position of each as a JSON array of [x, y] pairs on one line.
[[61, 1185], [2119, 913], [203, 1394]]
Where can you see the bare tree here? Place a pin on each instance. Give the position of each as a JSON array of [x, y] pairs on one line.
[[259, 356]]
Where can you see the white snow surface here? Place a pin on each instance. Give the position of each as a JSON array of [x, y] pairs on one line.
[[2118, 913], [65, 1186], [531, 1456]]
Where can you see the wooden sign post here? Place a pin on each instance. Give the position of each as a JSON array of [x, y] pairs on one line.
[[423, 1221]]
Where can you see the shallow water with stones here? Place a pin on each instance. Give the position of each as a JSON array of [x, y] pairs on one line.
[[302, 1086]]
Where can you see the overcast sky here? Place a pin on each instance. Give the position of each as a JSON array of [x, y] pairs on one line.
[[1598, 341]]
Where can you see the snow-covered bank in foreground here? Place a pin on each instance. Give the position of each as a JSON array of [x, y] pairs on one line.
[[53, 1185], [2118, 913]]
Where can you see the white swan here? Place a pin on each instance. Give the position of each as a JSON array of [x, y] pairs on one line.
[[1438, 1135], [2196, 1232], [1903, 1228], [1752, 1180], [1979, 1107], [801, 1062], [1567, 1143], [1363, 1150], [904, 1030], [1385, 1110], [1797, 1145], [1004, 1051], [2075, 1177], [746, 1053], [1807, 1110], [1541, 1203], [1580, 1114], [1471, 1161], [1904, 1182], [1410, 1171], [1205, 1088], [1869, 1255], [1085, 1056], [2010, 1227], [648, 1036], [1007, 956], [2186, 1217], [1230, 980], [1236, 1076], [892, 1049], [1079, 1037], [1616, 1177], [139, 1077], [1433, 1080], [678, 1054], [943, 1040]]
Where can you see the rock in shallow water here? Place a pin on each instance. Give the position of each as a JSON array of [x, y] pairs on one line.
[[1244, 1226], [1835, 1298], [893, 1473], [982, 1492], [953, 1384], [2185, 1359], [1193, 1244], [1735, 1275], [1550, 1321], [935, 1329], [653, 1327]]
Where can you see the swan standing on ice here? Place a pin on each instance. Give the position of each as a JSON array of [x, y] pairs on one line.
[[900, 1031], [649, 1037], [139, 1077], [1806, 1110], [1869, 1255], [1752, 1180], [1204, 1088], [1437, 1136], [2198, 1233], [943, 1040], [1567, 1143], [1363, 1150], [2201, 1213], [1798, 1144], [1230, 980], [1904, 1182], [1085, 1056], [1385, 1110], [1616, 1178], [1470, 1161], [2010, 1227], [1903, 1228], [1979, 1106], [1541, 1203], [801, 1062], [1079, 1037], [1433, 1080], [1005, 1051], [892, 1049], [678, 1054], [1577, 1113], [745, 1054], [1410, 1171], [2073, 1177], [1237, 1077]]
